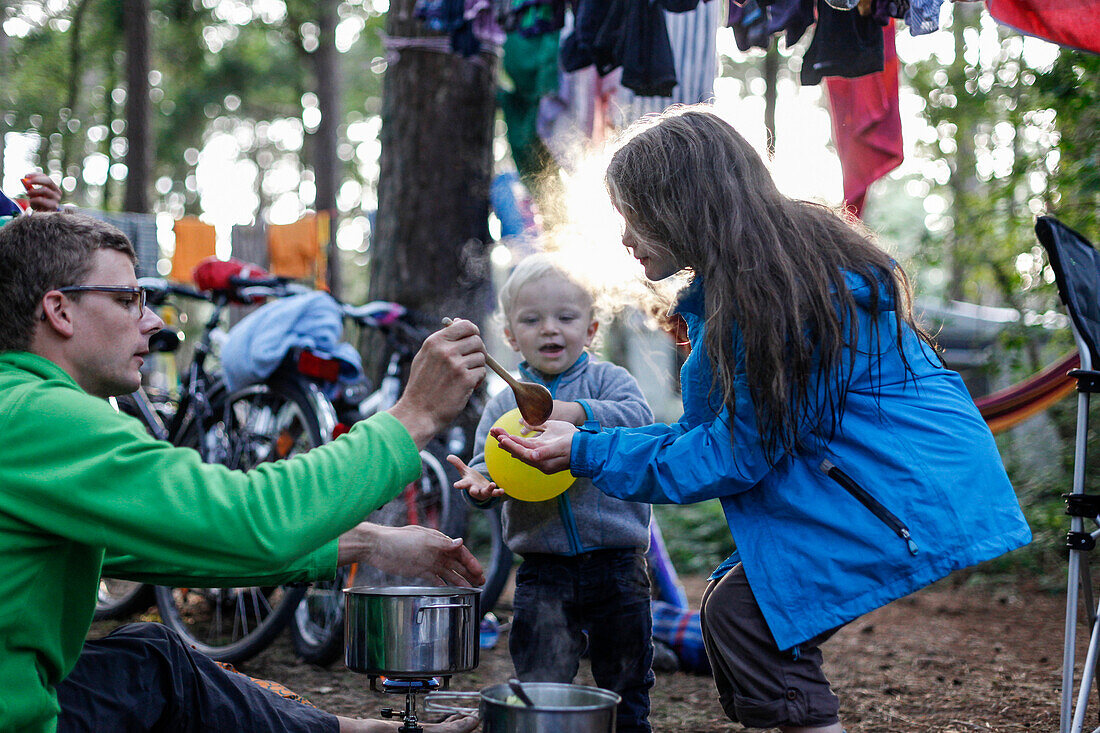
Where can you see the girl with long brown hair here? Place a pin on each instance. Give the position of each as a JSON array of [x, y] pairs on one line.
[[852, 466]]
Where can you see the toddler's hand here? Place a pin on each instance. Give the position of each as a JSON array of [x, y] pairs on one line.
[[480, 488], [568, 411]]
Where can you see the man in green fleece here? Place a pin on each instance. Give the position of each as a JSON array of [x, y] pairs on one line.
[[83, 489]]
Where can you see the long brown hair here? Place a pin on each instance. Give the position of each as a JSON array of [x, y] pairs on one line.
[[773, 266]]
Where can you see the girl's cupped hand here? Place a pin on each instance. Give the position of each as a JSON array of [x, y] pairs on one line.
[[547, 449]]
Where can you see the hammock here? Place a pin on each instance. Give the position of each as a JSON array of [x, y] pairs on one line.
[[1010, 406]]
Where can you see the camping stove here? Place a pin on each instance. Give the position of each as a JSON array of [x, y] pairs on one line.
[[411, 687], [410, 640]]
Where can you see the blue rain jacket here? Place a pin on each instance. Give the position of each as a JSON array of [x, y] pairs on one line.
[[911, 447]]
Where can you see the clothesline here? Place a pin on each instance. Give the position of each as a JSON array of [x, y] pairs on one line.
[[297, 250], [602, 63]]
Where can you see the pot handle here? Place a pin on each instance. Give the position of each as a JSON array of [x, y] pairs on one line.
[[437, 702], [420, 611]]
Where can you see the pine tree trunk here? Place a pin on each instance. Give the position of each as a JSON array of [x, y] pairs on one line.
[[135, 14], [431, 238], [326, 164]]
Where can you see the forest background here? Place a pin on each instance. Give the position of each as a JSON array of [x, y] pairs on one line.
[[123, 100]]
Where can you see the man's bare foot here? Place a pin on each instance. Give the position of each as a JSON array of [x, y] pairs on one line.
[[452, 724]]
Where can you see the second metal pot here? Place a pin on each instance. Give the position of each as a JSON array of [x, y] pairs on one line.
[[558, 708], [410, 631]]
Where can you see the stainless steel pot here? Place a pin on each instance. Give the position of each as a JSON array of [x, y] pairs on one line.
[[409, 631], [557, 708]]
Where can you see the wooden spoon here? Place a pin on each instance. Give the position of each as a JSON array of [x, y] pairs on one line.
[[534, 400]]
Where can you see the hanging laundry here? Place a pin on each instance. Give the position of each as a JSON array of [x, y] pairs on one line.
[[468, 22], [923, 16], [577, 45], [249, 243], [640, 45], [845, 43], [298, 250], [515, 209], [531, 18], [867, 125], [626, 33], [754, 24], [693, 35], [884, 10], [581, 114], [532, 65], [194, 242], [1073, 23], [481, 14]]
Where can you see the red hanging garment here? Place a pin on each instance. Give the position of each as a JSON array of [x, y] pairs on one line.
[[1073, 23], [867, 124]]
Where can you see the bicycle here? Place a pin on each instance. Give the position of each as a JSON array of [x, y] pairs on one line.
[[317, 627], [227, 624], [118, 598], [288, 413]]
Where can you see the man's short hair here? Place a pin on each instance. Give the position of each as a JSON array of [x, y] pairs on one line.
[[43, 252]]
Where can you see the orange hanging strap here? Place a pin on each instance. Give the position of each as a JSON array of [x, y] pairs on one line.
[[298, 250], [194, 243]]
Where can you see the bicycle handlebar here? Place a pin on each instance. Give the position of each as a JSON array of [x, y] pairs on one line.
[[157, 288], [240, 289]]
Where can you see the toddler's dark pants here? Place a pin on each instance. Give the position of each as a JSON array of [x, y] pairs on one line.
[[604, 593], [143, 677]]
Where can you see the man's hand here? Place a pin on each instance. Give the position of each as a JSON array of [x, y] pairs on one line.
[[547, 451], [473, 481], [445, 371], [42, 193], [411, 550]]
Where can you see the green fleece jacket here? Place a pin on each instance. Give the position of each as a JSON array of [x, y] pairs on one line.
[[80, 483]]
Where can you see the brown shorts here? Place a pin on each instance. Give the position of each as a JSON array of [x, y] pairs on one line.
[[759, 685]]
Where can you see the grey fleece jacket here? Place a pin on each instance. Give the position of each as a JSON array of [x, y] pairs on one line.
[[581, 518]]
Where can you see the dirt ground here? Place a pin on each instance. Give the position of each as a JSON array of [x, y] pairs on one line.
[[954, 658]]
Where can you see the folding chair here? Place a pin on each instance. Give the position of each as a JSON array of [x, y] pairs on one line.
[[1076, 265]]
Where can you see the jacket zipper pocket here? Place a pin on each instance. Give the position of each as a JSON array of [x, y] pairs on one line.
[[885, 515]]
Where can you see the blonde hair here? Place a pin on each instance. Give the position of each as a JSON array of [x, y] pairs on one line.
[[536, 267]]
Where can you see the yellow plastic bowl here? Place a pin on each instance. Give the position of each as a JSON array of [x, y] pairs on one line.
[[519, 480]]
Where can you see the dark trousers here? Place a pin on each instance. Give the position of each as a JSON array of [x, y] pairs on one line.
[[604, 593], [759, 685], [143, 677]]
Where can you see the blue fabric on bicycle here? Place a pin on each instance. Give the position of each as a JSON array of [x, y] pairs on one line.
[[258, 344]]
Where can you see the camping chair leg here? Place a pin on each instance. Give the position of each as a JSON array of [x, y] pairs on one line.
[[1090, 605], [1088, 675], [1079, 574], [1070, 646]]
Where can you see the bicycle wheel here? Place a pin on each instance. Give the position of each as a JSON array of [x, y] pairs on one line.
[[257, 424], [430, 501], [317, 629], [121, 598]]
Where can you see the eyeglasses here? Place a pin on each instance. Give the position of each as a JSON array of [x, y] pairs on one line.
[[135, 303]]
